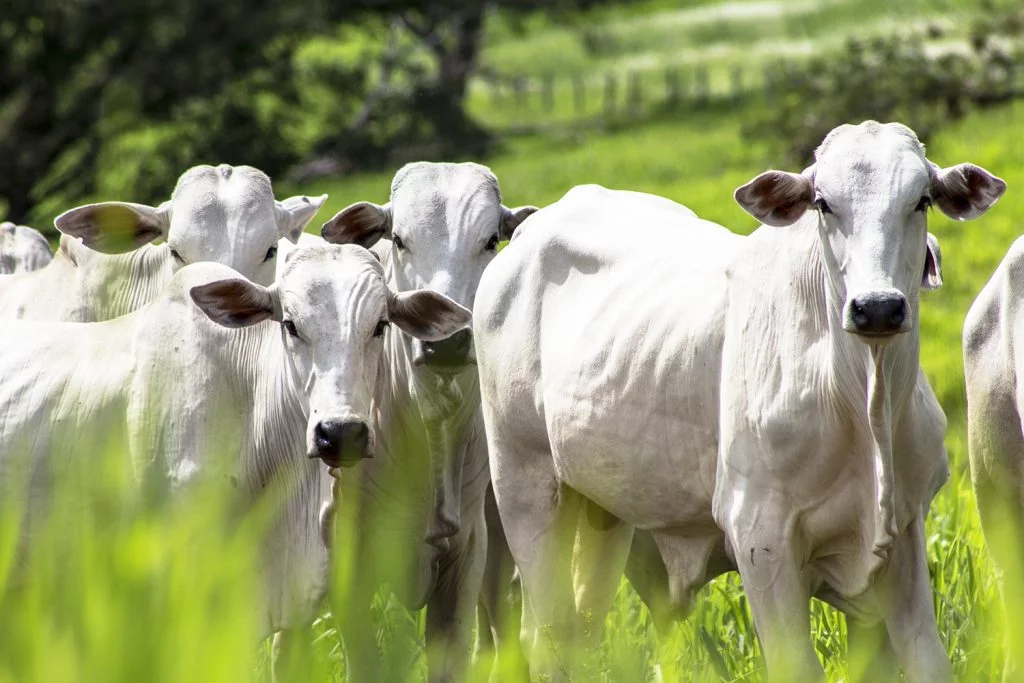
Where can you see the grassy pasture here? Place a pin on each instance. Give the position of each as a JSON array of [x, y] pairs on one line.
[[157, 593]]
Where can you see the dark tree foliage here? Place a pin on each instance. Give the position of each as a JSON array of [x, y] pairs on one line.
[[59, 58], [138, 90], [430, 117]]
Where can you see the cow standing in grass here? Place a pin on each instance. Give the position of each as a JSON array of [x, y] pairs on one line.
[[226, 214], [993, 368], [754, 403], [413, 516], [221, 379], [22, 249]]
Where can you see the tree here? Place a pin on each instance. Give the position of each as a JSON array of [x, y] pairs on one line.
[[60, 59]]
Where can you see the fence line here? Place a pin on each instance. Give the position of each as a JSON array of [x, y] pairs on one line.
[[615, 93]]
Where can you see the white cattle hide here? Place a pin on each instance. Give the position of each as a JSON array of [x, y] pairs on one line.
[[22, 249], [753, 402], [182, 395], [439, 231], [222, 214]]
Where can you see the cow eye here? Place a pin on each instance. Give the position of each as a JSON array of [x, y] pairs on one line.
[[290, 326], [271, 253], [399, 244], [492, 243], [923, 204], [176, 256], [381, 326], [822, 205]]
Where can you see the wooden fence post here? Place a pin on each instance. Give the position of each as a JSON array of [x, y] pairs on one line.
[[579, 93], [635, 92], [610, 88], [672, 86], [736, 77], [519, 85], [701, 86], [548, 92]]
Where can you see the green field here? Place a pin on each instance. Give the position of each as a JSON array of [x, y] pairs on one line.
[[128, 600]]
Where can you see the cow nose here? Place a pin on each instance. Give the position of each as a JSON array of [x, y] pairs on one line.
[[341, 443], [452, 352], [878, 314]]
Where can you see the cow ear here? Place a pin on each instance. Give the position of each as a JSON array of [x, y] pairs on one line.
[[965, 191], [115, 227], [427, 315], [932, 278], [295, 213], [363, 224], [511, 218], [777, 198], [236, 302]]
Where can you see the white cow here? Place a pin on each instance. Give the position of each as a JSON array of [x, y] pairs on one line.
[[224, 214], [22, 249], [993, 368], [184, 394], [752, 402], [418, 512]]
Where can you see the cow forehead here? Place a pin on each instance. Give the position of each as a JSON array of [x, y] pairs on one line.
[[233, 196], [333, 278], [442, 196], [871, 158]]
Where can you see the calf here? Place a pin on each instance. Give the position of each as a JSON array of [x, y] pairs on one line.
[[439, 231], [225, 378]]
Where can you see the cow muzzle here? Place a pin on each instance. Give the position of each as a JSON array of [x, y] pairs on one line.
[[341, 443], [877, 316], [448, 355]]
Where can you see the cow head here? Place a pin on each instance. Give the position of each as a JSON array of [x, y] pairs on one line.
[[226, 214], [334, 310], [871, 187], [444, 222]]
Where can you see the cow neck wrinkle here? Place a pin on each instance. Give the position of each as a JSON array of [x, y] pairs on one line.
[[851, 362], [133, 280], [279, 400]]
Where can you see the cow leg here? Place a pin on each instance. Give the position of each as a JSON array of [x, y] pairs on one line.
[[870, 654], [599, 558], [539, 516], [770, 565], [906, 599], [450, 607], [499, 613], [646, 572]]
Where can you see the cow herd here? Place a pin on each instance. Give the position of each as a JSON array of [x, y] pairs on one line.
[[637, 391]]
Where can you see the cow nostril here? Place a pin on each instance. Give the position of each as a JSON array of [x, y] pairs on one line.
[[898, 315], [878, 314]]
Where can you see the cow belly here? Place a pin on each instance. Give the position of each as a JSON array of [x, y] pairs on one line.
[[652, 473]]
